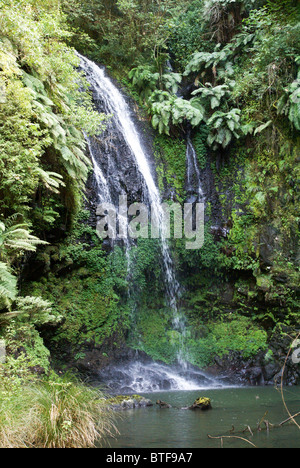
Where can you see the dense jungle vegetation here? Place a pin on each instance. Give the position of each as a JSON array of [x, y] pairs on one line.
[[227, 69]]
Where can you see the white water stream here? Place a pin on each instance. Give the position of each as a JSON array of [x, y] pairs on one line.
[[141, 377]]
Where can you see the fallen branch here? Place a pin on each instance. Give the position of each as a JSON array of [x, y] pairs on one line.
[[258, 428], [248, 428], [289, 419], [261, 421], [231, 437]]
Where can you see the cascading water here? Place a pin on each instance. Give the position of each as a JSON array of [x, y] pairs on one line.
[[193, 172], [104, 195], [116, 105], [120, 143], [145, 377]]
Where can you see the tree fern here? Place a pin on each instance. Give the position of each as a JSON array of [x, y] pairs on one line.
[[224, 126], [51, 180], [67, 141], [16, 238], [213, 95], [168, 110], [8, 286]]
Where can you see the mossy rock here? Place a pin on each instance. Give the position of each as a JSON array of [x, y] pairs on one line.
[[264, 283], [118, 399], [202, 404], [123, 402]]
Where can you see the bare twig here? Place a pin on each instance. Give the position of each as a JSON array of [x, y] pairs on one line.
[[231, 437], [261, 421], [281, 387], [289, 419]]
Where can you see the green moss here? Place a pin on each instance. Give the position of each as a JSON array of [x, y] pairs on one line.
[[233, 334], [118, 399], [171, 160], [200, 145], [203, 401], [154, 335], [90, 308]]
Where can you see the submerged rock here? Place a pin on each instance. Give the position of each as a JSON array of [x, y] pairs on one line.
[[202, 404]]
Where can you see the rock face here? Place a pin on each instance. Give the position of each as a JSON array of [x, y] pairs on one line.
[[270, 367]]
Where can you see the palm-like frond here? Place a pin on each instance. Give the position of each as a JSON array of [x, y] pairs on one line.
[[18, 238], [8, 285]]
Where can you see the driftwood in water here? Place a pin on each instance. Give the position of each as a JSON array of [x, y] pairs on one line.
[[259, 428]]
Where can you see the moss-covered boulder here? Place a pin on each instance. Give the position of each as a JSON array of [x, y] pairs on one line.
[[202, 404], [124, 402]]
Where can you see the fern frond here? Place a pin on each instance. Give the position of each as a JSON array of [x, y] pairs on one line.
[[8, 285]]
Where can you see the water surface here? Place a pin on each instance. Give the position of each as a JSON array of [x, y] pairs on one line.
[[238, 407]]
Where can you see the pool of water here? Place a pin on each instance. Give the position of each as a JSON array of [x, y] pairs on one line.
[[238, 407]]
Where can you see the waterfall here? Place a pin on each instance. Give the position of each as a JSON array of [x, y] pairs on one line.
[[117, 153], [193, 172], [103, 191], [140, 376], [115, 105]]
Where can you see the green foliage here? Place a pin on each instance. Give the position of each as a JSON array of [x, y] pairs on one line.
[[205, 258], [224, 126], [24, 341], [86, 292], [8, 285], [200, 145], [128, 33], [158, 93], [202, 342], [287, 9], [146, 81], [16, 238], [168, 110], [289, 103], [170, 155], [187, 34], [233, 334], [214, 94], [45, 109], [57, 412], [202, 61]]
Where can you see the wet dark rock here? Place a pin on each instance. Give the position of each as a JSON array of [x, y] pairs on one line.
[[129, 402], [255, 375], [219, 232], [270, 371], [269, 367], [268, 245], [163, 404]]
